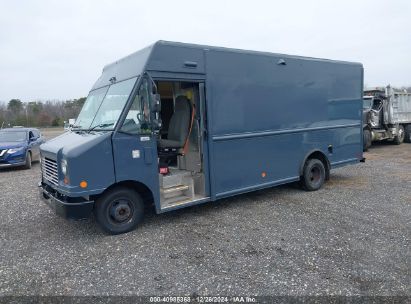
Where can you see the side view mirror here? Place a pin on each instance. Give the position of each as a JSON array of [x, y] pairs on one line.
[[156, 103], [155, 112]]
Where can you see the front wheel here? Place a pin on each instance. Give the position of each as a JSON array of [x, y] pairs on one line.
[[367, 139], [27, 165], [120, 210], [313, 175], [399, 139]]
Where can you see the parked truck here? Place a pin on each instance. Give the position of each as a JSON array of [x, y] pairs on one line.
[[386, 115], [175, 125]]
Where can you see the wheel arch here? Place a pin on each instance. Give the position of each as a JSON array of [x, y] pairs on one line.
[[318, 154], [144, 191]]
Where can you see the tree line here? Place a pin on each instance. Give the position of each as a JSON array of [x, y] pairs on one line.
[[46, 113], [39, 113]]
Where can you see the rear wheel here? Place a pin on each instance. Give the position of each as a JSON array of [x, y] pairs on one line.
[[313, 175], [120, 210], [399, 139], [367, 139], [28, 161], [407, 132]]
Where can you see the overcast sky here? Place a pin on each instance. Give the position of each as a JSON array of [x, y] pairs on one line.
[[57, 49]]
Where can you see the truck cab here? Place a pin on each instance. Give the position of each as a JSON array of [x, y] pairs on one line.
[[133, 132], [130, 144]]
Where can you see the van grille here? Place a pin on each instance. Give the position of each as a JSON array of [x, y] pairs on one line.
[[49, 169]]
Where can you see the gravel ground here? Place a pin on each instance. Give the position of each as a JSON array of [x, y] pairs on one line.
[[350, 238]]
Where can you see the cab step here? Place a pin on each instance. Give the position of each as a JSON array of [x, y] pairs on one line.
[[174, 189], [177, 193]]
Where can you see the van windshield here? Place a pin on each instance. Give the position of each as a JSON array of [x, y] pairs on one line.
[[103, 106]]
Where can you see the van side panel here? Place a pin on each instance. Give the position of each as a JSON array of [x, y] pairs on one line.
[[265, 117]]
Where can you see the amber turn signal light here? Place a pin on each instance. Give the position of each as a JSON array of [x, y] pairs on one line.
[[83, 184]]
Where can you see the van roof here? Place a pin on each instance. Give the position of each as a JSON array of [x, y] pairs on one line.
[[161, 43], [168, 56]]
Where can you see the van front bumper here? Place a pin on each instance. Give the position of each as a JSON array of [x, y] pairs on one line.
[[62, 206]]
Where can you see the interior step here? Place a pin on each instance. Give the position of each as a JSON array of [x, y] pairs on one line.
[[175, 189], [175, 178], [197, 198], [166, 202], [177, 193]]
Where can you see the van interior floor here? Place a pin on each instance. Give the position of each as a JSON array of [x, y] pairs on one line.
[[178, 187]]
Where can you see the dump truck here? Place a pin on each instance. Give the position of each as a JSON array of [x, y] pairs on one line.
[[69, 124], [386, 115], [176, 125]]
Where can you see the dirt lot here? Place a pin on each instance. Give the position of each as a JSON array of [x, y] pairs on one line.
[[49, 133], [350, 238]]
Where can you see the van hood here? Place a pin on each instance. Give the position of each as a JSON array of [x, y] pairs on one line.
[[89, 157], [72, 144]]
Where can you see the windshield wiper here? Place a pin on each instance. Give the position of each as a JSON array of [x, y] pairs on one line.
[[103, 125]]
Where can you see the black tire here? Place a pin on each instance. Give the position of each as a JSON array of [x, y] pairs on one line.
[[313, 175], [27, 165], [407, 134], [399, 139], [367, 139], [120, 210]]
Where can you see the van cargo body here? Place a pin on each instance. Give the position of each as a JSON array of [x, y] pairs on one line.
[[200, 123]]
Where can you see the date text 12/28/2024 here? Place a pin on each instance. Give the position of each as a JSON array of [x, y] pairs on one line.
[[202, 299]]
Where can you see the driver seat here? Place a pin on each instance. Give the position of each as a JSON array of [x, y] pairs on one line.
[[179, 128]]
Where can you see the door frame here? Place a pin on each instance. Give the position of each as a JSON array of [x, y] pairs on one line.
[[204, 144]]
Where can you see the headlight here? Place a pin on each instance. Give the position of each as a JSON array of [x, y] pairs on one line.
[[15, 150], [64, 166]]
